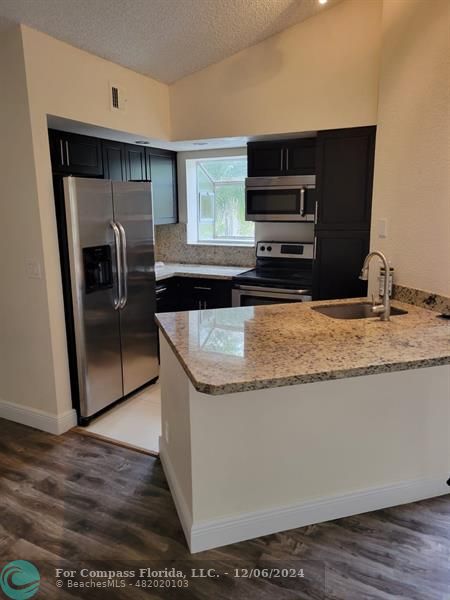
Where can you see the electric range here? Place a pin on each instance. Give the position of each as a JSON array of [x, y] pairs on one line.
[[283, 273]]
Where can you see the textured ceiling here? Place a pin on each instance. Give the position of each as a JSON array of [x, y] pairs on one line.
[[165, 39]]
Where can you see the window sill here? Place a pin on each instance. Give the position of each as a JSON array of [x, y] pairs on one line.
[[223, 244]]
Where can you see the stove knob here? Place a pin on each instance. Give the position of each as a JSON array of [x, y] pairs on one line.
[[269, 248], [262, 248]]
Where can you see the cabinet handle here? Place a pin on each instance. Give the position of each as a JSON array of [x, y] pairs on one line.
[[316, 212], [62, 151], [201, 287], [67, 153], [281, 158], [315, 246], [161, 290], [287, 159]]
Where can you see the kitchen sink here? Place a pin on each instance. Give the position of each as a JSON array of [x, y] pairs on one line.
[[353, 310]]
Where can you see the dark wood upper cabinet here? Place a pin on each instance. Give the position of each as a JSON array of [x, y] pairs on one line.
[[300, 157], [265, 159], [289, 157], [75, 154], [162, 170], [81, 155], [344, 162], [339, 258], [114, 160], [135, 163]]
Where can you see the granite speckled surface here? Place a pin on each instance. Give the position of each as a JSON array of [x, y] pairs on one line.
[[171, 247], [249, 348], [205, 271], [421, 298]]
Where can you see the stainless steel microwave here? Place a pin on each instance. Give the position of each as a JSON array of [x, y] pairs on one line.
[[280, 198]]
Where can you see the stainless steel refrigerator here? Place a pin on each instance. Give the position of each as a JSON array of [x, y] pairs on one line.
[[112, 276]]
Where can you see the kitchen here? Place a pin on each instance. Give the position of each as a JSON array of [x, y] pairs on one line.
[[314, 177], [316, 229]]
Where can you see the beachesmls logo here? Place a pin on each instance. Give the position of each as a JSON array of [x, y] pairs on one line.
[[19, 580]]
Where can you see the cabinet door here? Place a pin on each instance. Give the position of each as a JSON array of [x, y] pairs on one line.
[[339, 258], [75, 154], [221, 295], [200, 293], [344, 163], [265, 159], [300, 157], [135, 163], [114, 160], [162, 168]]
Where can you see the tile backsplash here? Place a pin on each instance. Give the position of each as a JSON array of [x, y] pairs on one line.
[[171, 247]]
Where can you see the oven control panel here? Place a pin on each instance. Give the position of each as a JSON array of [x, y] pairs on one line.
[[298, 250]]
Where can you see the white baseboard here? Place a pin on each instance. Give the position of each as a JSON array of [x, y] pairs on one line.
[[212, 534], [39, 419], [184, 514]]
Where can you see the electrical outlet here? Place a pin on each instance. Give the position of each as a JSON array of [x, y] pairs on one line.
[[33, 269]]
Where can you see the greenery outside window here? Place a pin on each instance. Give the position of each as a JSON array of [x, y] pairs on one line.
[[216, 198]]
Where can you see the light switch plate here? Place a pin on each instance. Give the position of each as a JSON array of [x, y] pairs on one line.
[[33, 269], [382, 228]]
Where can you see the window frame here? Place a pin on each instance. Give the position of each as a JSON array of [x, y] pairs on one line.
[[193, 203]]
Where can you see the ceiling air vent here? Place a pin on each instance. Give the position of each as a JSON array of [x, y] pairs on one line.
[[117, 97]]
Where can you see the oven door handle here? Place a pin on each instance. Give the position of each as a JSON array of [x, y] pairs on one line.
[[254, 288], [274, 188]]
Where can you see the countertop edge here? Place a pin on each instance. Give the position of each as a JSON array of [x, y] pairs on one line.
[[248, 386], [195, 275]]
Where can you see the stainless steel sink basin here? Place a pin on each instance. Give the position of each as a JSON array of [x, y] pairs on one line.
[[353, 310]]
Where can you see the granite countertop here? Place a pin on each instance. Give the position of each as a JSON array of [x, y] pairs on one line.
[[256, 347], [207, 271]]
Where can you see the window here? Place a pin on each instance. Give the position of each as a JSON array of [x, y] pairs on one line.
[[216, 201]]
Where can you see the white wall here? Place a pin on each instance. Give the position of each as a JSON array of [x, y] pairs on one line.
[[27, 375], [43, 76], [412, 162], [319, 74]]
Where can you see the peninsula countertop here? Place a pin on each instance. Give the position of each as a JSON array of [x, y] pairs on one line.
[[166, 270], [248, 348]]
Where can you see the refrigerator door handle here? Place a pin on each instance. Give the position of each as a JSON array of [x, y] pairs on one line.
[[124, 262], [117, 302]]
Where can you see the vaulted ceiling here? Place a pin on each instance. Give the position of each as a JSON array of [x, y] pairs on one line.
[[165, 39]]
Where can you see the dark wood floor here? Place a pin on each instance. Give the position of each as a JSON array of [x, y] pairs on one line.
[[75, 501]]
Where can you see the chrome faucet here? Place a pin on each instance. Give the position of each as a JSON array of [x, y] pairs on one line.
[[384, 310]]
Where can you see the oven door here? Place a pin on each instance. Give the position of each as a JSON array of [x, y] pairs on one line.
[[248, 295], [280, 203]]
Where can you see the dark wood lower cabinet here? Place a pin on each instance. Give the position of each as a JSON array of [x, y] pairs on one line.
[[192, 293], [339, 258], [200, 294], [166, 296]]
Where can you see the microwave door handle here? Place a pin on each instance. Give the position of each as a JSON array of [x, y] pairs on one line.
[[302, 201]]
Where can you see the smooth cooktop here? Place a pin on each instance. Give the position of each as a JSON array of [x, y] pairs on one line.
[[288, 278]]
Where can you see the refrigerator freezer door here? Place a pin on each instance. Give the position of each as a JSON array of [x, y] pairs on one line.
[[133, 215], [94, 282]]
